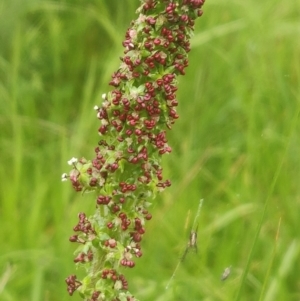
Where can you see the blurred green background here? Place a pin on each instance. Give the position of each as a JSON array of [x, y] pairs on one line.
[[236, 145]]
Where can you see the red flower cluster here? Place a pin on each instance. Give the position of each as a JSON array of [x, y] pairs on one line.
[[126, 170]]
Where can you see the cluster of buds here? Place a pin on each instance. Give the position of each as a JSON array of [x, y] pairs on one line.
[[85, 227], [83, 257], [73, 284], [119, 281], [133, 250], [126, 171]]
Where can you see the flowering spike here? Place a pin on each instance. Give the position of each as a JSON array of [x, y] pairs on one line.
[[126, 171]]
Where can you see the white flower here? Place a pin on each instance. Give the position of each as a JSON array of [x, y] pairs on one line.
[[132, 33], [72, 161], [64, 177], [105, 104], [103, 96], [96, 108], [104, 122]]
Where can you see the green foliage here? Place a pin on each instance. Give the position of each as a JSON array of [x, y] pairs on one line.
[[236, 145]]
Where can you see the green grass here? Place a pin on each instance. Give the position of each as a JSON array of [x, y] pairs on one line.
[[236, 145]]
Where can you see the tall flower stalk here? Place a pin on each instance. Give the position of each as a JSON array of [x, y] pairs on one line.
[[126, 172]]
